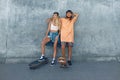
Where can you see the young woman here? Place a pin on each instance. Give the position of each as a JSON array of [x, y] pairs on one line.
[[52, 35]]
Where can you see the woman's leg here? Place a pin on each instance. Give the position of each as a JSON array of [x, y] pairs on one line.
[[55, 47], [55, 51], [44, 41]]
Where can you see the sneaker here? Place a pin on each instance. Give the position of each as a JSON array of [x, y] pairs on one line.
[[42, 57], [53, 62], [69, 62]]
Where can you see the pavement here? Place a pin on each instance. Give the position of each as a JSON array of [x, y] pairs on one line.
[[78, 71]]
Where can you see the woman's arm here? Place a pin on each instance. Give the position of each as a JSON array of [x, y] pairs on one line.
[[48, 29]]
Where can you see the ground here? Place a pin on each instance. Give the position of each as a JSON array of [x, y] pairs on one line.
[[78, 71]]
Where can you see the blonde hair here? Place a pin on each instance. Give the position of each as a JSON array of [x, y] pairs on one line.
[[56, 22]]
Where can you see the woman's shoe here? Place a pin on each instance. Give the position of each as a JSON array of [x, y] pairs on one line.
[[53, 62]]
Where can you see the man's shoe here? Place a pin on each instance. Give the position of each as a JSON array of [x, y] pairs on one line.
[[69, 62]]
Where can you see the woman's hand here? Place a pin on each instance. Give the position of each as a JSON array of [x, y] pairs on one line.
[[57, 36]]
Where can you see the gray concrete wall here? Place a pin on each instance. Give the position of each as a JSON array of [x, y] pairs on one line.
[[23, 25]]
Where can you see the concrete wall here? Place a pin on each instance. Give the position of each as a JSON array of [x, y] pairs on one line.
[[23, 25]]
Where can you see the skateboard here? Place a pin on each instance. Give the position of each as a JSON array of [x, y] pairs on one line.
[[37, 63], [62, 62]]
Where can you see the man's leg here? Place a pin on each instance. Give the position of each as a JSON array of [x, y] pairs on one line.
[[70, 53], [63, 49], [63, 53]]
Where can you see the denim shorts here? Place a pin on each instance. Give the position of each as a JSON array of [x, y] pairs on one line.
[[52, 36]]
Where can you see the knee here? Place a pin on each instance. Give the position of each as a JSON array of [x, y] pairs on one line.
[[56, 39], [42, 43], [69, 46], [55, 44], [63, 46]]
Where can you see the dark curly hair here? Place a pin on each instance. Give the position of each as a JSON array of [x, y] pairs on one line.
[[70, 12]]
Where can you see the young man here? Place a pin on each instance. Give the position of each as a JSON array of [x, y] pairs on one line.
[[67, 33]]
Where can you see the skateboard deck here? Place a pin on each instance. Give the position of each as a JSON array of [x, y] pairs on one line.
[[37, 63], [62, 62]]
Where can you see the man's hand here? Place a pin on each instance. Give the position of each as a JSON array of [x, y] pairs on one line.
[[75, 14]]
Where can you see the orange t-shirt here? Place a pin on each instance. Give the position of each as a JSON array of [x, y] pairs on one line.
[[67, 30]]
